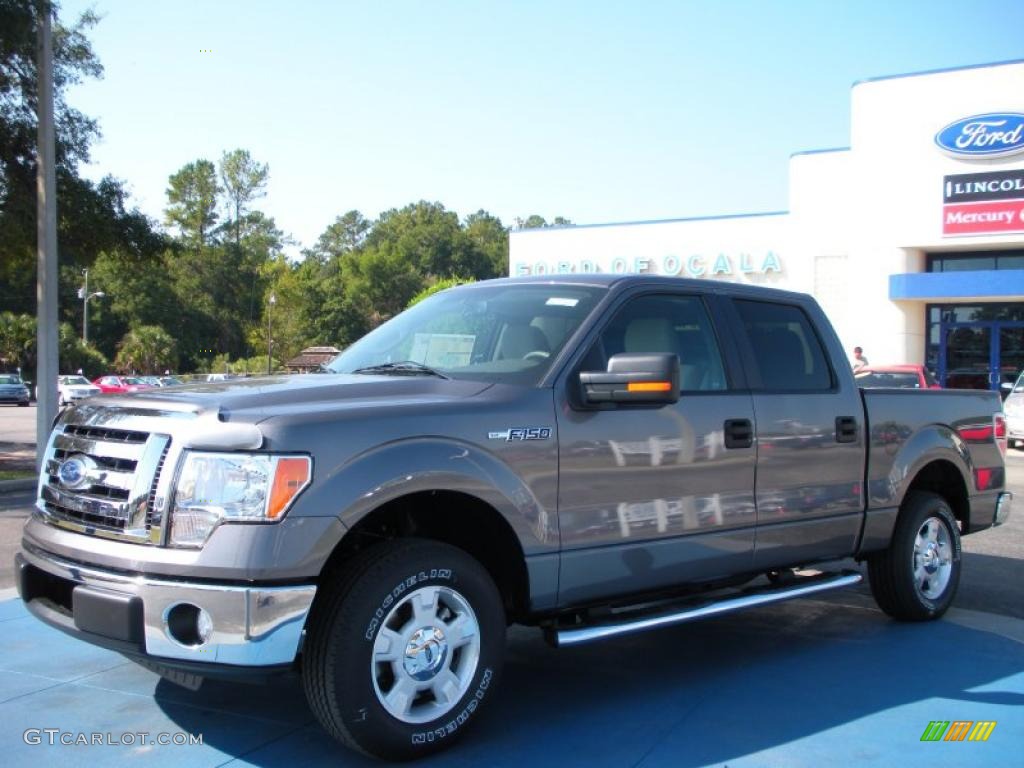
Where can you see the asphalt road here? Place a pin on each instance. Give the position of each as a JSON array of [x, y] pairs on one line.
[[17, 424]]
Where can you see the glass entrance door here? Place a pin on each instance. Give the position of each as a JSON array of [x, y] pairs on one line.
[[967, 353], [980, 355]]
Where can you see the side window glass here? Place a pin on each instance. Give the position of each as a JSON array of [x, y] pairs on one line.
[[669, 324], [788, 352]]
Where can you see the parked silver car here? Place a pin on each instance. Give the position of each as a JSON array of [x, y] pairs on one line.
[[1013, 407], [73, 388]]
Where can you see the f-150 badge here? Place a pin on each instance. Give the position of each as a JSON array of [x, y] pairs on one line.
[[521, 433]]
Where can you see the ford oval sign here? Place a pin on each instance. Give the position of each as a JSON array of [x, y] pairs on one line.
[[76, 471], [981, 136]]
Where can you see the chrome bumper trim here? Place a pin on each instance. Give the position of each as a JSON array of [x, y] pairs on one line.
[[1003, 505], [252, 626]]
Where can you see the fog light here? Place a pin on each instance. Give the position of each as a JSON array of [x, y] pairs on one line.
[[188, 624]]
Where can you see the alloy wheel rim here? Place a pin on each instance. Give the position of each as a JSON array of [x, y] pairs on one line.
[[933, 558], [425, 654]]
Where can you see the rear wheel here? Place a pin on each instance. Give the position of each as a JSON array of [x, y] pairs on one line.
[[403, 649], [917, 577]]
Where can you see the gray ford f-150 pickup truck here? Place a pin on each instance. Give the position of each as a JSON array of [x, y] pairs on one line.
[[591, 454]]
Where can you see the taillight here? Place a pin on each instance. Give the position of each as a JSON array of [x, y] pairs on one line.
[[999, 426]]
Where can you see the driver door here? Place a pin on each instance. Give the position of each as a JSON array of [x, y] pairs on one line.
[[651, 497]]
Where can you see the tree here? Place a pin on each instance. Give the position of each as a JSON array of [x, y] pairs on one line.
[[538, 222], [192, 202], [243, 180], [17, 341], [489, 237], [146, 349], [345, 235], [92, 216]]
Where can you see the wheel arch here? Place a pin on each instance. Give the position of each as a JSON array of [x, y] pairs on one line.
[[454, 517]]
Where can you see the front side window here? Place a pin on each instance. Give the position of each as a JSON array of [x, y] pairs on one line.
[[677, 325], [508, 333], [786, 349]]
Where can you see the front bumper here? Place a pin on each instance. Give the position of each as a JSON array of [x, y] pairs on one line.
[[252, 626]]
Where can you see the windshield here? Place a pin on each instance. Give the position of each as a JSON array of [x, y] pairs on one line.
[[9, 380], [508, 333], [879, 379], [76, 380]]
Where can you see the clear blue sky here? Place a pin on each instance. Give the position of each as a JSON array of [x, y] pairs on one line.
[[596, 111]]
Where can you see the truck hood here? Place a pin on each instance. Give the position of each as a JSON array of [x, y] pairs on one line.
[[252, 400]]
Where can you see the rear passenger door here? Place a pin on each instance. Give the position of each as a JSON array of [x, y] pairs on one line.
[[651, 497], [810, 449]]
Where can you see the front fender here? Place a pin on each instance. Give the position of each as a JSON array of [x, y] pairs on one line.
[[389, 471]]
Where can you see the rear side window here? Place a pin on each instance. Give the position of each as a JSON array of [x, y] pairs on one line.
[[786, 349]]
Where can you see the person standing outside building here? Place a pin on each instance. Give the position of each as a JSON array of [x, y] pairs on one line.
[[859, 361]]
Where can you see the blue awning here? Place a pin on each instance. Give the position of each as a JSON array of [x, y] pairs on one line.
[[994, 283]]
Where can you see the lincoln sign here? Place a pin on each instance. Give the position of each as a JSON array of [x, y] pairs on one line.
[[720, 265]]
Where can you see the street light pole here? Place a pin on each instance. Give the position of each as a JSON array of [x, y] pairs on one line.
[[84, 295], [46, 206], [270, 338]]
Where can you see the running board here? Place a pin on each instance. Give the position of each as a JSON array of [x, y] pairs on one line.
[[807, 585]]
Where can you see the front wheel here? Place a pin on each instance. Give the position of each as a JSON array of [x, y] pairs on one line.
[[403, 649], [917, 577]]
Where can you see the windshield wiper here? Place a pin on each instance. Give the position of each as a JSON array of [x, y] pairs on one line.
[[404, 368]]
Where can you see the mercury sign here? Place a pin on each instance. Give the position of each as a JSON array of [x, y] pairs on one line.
[[720, 265], [995, 134]]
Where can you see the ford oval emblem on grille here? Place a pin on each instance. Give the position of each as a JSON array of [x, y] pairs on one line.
[[76, 471]]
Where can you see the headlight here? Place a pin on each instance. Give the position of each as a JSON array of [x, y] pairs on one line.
[[215, 488]]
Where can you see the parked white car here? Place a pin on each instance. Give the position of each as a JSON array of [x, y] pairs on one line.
[[72, 388]]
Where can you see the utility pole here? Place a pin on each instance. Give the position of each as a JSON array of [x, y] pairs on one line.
[[46, 225]]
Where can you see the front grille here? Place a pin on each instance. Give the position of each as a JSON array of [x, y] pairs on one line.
[[109, 435], [118, 492]]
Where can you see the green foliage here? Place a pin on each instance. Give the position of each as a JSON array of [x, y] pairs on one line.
[[147, 349], [538, 222], [18, 347], [192, 202], [440, 285], [76, 356], [17, 341]]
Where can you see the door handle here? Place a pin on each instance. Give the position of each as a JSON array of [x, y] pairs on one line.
[[739, 433], [846, 429]]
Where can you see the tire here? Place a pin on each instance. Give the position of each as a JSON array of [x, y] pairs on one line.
[[917, 577], [359, 661]]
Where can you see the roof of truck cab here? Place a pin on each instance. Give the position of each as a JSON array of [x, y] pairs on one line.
[[602, 280]]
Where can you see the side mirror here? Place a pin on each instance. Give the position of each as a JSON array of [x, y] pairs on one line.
[[1006, 386], [650, 379]]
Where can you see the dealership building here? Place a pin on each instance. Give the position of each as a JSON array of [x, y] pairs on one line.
[[911, 238]]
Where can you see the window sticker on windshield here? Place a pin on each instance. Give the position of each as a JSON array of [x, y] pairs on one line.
[[556, 301], [443, 350]]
